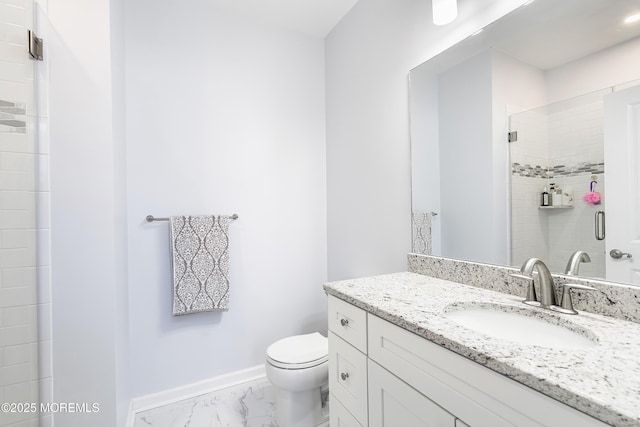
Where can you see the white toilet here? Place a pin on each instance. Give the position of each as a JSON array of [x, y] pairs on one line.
[[298, 368]]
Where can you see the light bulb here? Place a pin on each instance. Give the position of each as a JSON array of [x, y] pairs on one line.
[[632, 18], [444, 11]]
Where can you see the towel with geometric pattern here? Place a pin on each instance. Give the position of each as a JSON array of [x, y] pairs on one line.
[[421, 225], [200, 263]]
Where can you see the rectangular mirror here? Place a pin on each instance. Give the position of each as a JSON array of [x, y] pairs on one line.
[[550, 75]]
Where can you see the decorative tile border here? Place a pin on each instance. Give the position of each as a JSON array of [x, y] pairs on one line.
[[538, 171], [613, 299], [529, 171]]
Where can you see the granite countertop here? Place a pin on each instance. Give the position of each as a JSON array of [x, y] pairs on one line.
[[602, 381]]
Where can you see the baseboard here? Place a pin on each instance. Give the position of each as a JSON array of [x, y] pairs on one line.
[[166, 397]]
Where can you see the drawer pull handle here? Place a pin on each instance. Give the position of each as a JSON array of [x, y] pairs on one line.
[[344, 376], [344, 322]]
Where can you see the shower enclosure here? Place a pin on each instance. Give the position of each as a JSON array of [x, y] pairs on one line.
[[559, 147], [24, 303]]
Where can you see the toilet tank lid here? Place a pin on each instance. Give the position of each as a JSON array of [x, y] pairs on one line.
[[299, 348]]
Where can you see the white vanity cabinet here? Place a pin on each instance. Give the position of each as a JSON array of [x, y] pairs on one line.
[[397, 378], [393, 403], [347, 364]]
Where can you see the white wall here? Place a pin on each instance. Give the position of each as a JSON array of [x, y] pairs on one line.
[[86, 228], [516, 87], [223, 116], [595, 72], [369, 55], [466, 148], [425, 151], [121, 267]]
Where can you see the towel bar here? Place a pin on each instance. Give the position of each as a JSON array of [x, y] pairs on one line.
[[151, 218]]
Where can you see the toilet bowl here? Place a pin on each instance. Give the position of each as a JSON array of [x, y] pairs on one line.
[[298, 368]]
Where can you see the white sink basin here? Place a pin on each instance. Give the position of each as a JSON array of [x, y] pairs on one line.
[[523, 326]]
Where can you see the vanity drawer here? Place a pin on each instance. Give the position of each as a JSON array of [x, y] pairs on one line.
[[348, 322], [348, 377]]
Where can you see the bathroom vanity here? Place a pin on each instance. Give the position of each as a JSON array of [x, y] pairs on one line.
[[402, 353]]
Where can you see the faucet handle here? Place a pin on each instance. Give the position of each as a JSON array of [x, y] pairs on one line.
[[567, 303], [531, 298]]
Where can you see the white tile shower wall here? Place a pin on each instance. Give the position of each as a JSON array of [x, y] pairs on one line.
[[531, 147], [576, 141], [576, 135], [529, 229], [18, 235]]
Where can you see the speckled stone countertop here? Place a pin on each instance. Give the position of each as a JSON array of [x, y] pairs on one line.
[[602, 381]]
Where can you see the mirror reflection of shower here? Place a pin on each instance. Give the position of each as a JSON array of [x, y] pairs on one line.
[[557, 173]]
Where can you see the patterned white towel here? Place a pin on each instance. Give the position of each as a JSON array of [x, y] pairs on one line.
[[200, 261], [421, 222]]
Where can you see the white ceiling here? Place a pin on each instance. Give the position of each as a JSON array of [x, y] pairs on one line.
[[549, 33], [312, 17], [548, 37]]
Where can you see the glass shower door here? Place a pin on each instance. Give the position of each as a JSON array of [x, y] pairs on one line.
[[19, 387]]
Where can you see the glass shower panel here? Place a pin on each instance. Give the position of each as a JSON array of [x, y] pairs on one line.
[[18, 164], [559, 149]]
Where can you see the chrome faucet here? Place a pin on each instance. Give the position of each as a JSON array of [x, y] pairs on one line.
[[574, 262], [547, 291]]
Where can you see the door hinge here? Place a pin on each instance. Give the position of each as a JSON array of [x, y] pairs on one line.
[[512, 136], [35, 46]]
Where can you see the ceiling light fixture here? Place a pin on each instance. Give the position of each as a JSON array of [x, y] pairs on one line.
[[632, 18], [444, 11]]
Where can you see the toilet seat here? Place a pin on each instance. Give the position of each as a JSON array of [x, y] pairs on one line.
[[299, 352]]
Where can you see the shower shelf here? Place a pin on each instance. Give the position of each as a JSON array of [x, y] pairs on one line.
[[8, 112], [555, 207]]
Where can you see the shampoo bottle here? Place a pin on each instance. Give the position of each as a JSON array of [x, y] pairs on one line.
[[544, 201], [558, 198]]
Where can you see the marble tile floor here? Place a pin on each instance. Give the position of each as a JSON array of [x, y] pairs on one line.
[[246, 405]]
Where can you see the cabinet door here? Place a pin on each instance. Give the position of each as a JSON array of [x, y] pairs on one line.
[[477, 395], [393, 403], [348, 377], [339, 416]]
